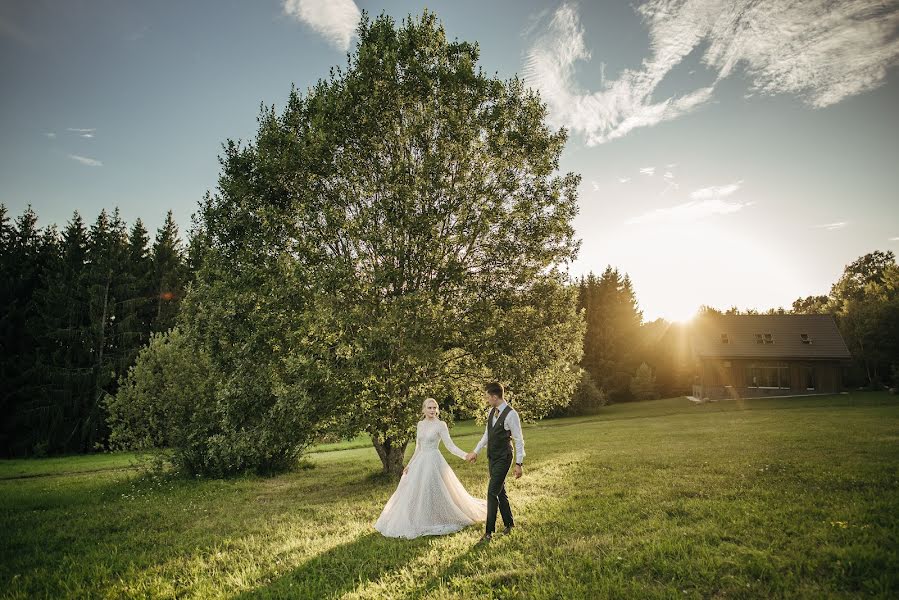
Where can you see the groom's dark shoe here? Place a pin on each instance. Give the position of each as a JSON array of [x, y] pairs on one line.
[[484, 539], [507, 530]]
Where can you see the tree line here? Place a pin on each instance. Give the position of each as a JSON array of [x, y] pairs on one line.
[[76, 306], [626, 358]]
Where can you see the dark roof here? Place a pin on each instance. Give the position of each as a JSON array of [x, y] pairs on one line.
[[781, 337]]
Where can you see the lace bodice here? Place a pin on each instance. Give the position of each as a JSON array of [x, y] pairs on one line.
[[431, 433]]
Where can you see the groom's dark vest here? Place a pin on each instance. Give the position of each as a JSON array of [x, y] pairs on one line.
[[499, 440]]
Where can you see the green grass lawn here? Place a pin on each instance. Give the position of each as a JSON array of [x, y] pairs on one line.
[[794, 497]]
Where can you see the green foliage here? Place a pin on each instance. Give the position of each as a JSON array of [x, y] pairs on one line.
[[158, 398], [612, 341], [73, 315], [869, 322], [643, 383], [393, 234], [811, 305], [859, 274], [865, 302], [168, 273], [587, 399]]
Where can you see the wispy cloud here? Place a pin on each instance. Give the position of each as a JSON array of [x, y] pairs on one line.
[[50, 134], [894, 239], [335, 20], [90, 130], [595, 186], [690, 211], [90, 162], [716, 191], [832, 226], [87, 135], [648, 170], [623, 179], [848, 51]]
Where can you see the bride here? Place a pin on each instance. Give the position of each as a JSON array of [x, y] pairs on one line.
[[430, 499]]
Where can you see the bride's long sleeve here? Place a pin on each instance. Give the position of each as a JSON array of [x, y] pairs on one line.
[[417, 445], [448, 442]]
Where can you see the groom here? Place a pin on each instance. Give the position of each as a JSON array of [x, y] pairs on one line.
[[503, 425]]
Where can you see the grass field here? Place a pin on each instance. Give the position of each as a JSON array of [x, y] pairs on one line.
[[794, 497]]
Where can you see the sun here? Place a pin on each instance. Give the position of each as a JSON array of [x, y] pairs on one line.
[[678, 267]]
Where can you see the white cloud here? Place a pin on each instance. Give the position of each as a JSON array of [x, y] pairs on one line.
[[335, 20], [50, 135], [848, 51], [648, 170], [87, 135], [91, 162], [716, 191], [595, 186], [90, 130], [894, 239], [833, 226], [668, 175], [690, 211], [623, 179]]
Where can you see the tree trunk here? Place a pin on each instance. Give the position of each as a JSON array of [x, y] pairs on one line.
[[391, 454]]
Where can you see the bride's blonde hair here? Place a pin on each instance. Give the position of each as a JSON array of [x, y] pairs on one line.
[[424, 405]]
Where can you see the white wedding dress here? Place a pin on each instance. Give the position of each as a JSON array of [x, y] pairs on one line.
[[430, 499]]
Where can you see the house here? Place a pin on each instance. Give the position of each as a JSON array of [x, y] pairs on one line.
[[744, 356]]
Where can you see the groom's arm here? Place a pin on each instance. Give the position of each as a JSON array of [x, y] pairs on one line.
[[483, 441], [514, 423]]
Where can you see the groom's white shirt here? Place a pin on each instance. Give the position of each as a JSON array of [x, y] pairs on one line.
[[512, 423]]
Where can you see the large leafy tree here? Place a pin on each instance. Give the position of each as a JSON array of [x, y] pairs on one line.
[[395, 233], [865, 302]]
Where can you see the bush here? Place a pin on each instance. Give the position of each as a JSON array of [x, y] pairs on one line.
[[586, 400], [174, 397], [159, 395]]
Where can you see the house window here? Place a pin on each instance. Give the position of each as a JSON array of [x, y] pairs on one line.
[[809, 378], [769, 375], [806, 338], [769, 339], [758, 339], [724, 339]]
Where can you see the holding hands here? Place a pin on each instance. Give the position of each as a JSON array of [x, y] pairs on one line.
[[471, 457]]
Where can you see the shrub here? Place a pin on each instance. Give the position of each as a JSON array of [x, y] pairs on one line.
[[586, 400]]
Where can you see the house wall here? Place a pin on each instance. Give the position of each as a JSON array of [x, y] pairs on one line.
[[721, 378]]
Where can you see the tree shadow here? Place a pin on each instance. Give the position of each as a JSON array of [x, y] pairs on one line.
[[344, 567], [460, 564]]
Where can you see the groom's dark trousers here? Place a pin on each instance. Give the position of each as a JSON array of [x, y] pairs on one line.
[[499, 459]]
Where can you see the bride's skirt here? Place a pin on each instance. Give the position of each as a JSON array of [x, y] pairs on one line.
[[429, 500]]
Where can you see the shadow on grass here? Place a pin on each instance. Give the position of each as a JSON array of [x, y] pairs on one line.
[[460, 565], [343, 568]]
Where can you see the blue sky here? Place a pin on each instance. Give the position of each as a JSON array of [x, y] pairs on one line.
[[731, 154]]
